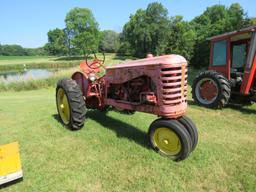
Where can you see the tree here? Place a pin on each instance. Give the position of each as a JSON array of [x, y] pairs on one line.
[[110, 41], [145, 29], [56, 42], [82, 30], [180, 39], [12, 50], [214, 21], [253, 21]]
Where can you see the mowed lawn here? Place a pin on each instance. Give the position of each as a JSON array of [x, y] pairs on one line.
[[111, 152], [110, 58], [13, 60]]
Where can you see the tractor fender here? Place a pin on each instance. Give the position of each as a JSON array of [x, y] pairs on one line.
[[82, 80]]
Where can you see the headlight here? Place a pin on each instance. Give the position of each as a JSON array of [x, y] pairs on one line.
[[92, 77]]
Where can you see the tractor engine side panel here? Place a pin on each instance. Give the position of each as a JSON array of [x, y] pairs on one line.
[[160, 89]]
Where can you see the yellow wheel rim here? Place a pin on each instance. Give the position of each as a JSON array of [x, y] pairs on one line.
[[167, 141], [63, 106]]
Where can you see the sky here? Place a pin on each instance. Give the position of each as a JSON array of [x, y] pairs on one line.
[[26, 22]]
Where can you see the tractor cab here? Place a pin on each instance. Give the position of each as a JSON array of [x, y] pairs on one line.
[[232, 54], [232, 71]]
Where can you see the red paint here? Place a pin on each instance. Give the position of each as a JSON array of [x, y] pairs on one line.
[[249, 74], [223, 69], [208, 90], [156, 85], [249, 78]]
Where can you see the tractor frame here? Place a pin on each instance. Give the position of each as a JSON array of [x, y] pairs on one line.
[[156, 85]]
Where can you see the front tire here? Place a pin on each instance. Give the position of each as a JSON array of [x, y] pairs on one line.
[[70, 104], [192, 130], [170, 138], [211, 89]]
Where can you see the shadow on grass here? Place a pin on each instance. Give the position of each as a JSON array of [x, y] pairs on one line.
[[121, 128], [123, 57], [11, 183], [191, 102], [236, 107], [57, 118], [72, 58], [241, 108]]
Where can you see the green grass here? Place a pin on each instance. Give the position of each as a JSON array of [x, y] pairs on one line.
[[11, 60], [14, 63], [111, 152]]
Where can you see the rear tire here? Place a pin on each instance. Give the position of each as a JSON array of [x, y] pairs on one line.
[[211, 89], [70, 104], [170, 138]]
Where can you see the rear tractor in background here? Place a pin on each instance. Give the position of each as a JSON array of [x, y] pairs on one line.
[[156, 85], [231, 76]]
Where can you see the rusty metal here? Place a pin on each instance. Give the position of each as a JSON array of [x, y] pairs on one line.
[[156, 85]]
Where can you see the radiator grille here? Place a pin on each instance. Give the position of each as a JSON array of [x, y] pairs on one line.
[[174, 85]]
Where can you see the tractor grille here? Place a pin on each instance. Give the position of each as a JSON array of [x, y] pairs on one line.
[[174, 85]]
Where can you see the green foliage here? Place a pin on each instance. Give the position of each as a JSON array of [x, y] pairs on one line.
[[36, 51], [82, 30], [152, 31], [56, 42], [214, 21], [8, 50], [146, 29], [253, 21], [17, 50], [180, 39], [110, 41]]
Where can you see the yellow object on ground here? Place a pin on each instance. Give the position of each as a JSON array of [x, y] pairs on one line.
[[10, 164]]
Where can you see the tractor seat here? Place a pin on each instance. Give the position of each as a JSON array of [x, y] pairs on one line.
[[236, 77], [237, 72]]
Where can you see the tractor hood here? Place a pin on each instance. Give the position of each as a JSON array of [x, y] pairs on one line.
[[166, 59]]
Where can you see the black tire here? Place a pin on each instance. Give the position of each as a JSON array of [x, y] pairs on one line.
[[223, 90], [179, 130], [192, 130], [76, 103]]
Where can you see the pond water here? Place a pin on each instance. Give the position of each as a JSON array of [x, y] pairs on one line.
[[26, 74]]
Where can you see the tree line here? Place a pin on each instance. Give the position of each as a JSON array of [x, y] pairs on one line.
[[149, 30], [17, 50]]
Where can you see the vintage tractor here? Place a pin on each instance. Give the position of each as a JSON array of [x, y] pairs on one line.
[[232, 71], [156, 85]]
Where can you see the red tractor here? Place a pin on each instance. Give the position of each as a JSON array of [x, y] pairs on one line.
[[156, 85], [231, 76]]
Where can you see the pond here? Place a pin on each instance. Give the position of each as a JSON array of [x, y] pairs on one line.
[[26, 74]]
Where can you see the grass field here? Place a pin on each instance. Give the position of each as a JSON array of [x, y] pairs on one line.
[[18, 63], [111, 152], [12, 60], [14, 63]]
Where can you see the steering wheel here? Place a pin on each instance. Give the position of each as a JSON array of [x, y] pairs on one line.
[[96, 63]]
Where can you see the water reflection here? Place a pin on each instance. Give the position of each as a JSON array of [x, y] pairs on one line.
[[25, 74]]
